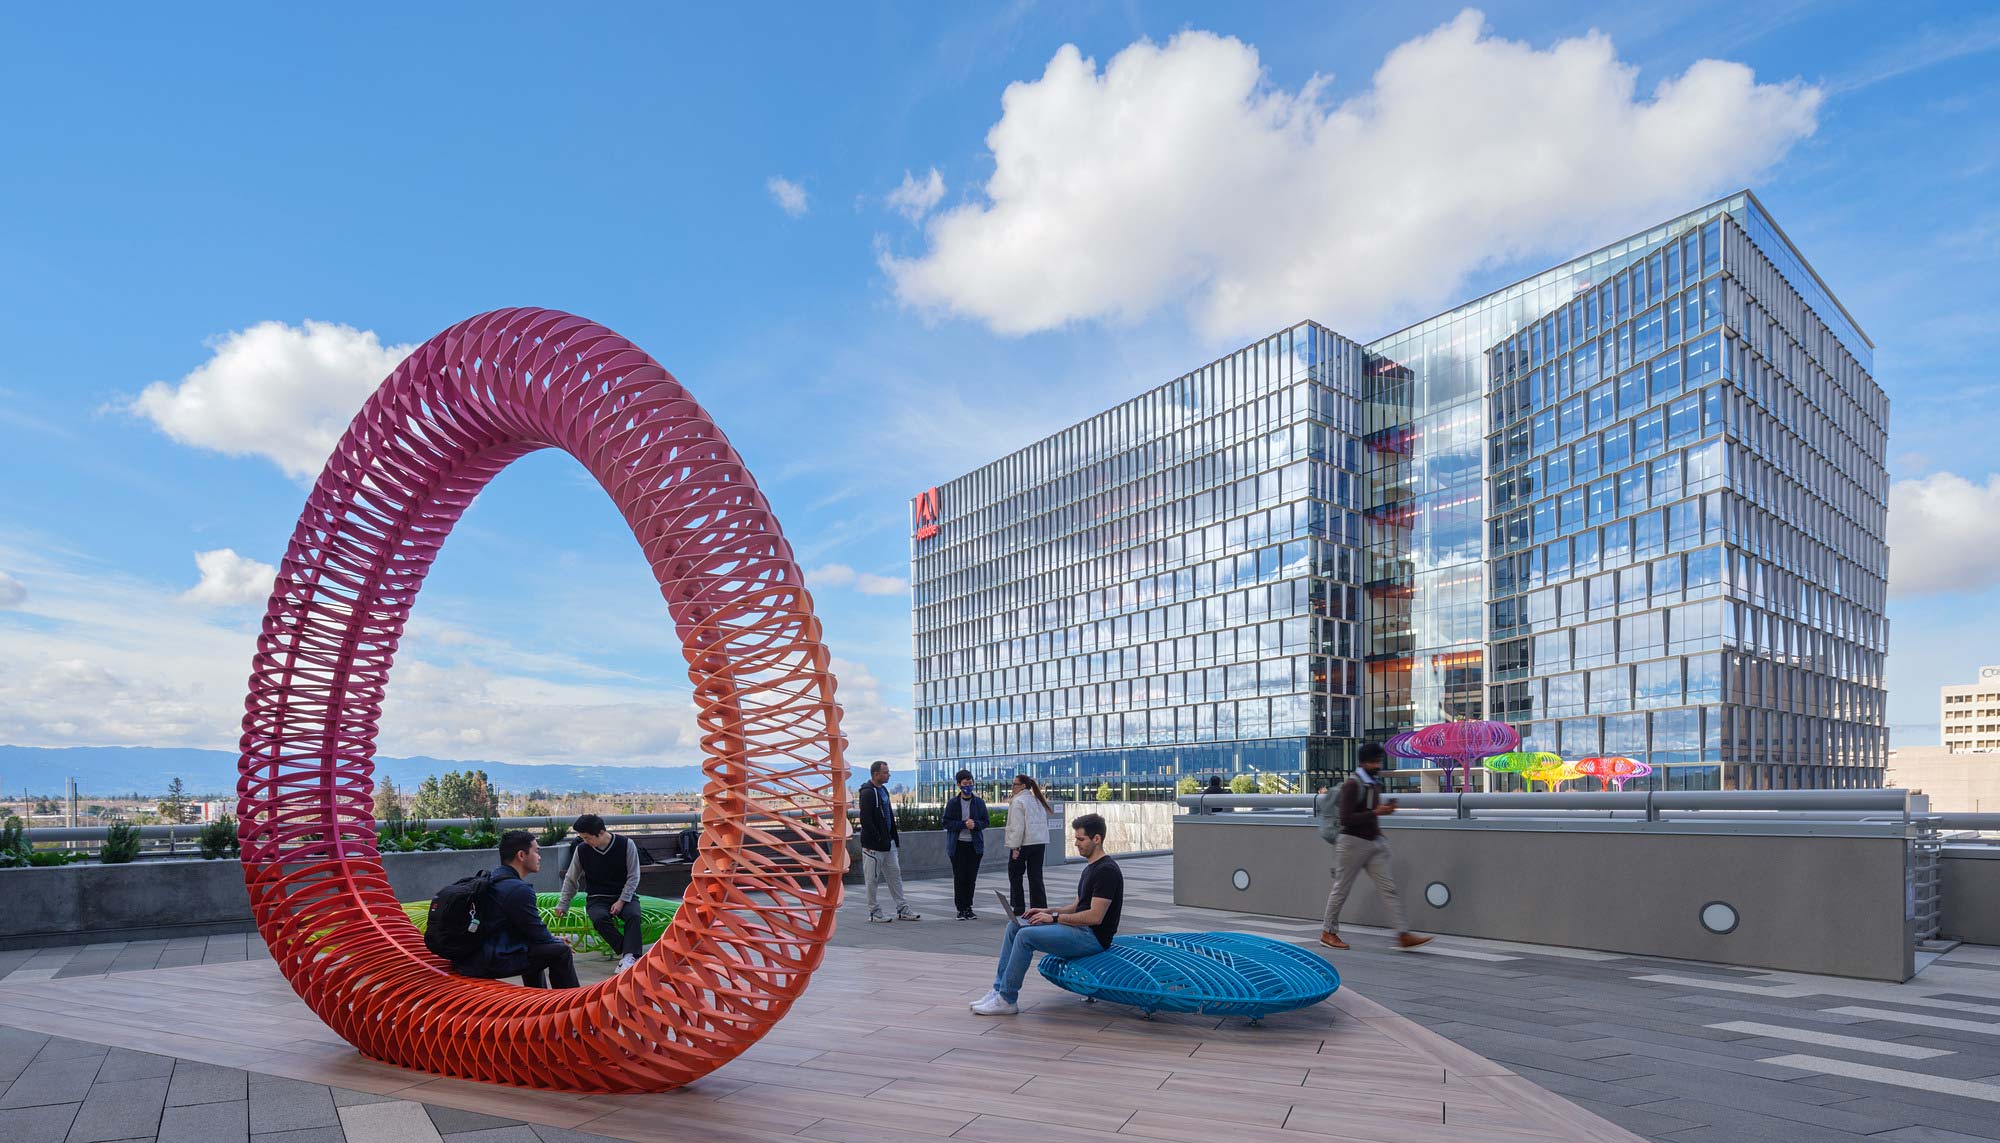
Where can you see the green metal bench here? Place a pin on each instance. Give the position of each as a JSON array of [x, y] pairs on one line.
[[655, 914]]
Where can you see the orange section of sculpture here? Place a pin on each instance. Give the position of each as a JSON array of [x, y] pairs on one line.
[[760, 906]]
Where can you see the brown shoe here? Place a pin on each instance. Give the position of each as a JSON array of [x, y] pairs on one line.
[[1332, 941], [1411, 940]]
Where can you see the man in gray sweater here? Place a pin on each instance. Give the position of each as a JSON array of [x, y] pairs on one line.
[[606, 867]]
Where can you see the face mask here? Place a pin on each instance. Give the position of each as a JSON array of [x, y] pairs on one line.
[[965, 791]]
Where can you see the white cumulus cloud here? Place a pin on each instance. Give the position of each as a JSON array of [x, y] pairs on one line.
[[1944, 534], [12, 594], [915, 198], [228, 579], [867, 583], [281, 392], [790, 196], [1179, 176]]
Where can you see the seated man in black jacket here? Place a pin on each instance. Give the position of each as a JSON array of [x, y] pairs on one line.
[[517, 943]]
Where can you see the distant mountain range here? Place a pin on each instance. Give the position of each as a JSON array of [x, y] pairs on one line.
[[114, 771]]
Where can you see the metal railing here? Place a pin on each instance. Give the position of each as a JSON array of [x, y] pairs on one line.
[[190, 832], [1806, 808]]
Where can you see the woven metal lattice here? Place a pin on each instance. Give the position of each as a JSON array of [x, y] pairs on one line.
[[760, 905], [1216, 974]]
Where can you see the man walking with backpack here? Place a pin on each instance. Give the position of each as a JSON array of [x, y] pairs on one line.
[[878, 846], [1350, 819], [504, 921], [606, 867]]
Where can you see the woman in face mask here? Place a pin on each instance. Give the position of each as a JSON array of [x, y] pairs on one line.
[[965, 822]]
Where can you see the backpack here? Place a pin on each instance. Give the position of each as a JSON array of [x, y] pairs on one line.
[[453, 929], [687, 845], [1327, 807]]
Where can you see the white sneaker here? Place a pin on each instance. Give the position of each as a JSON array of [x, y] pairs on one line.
[[627, 961], [996, 1005], [879, 918], [907, 914], [989, 997]]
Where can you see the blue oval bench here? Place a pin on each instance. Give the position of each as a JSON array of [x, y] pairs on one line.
[[1215, 974]]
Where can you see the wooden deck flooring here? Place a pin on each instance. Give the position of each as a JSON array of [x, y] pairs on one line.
[[881, 1049]]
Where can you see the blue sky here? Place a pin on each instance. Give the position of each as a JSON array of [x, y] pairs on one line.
[[750, 198]]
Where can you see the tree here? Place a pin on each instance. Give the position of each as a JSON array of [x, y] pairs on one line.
[[457, 795], [1104, 791], [388, 801], [1268, 783], [176, 809], [1187, 786], [1243, 784], [535, 810]]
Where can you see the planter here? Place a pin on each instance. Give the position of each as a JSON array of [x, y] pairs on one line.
[[150, 900], [922, 854]]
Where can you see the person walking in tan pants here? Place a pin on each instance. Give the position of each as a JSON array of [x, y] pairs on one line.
[[1355, 829]]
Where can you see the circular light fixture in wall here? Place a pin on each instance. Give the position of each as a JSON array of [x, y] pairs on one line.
[[1719, 917], [1240, 879], [1438, 894]]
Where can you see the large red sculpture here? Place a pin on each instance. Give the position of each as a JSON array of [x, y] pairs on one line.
[[774, 815]]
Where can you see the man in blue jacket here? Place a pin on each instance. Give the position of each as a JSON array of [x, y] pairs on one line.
[[517, 942], [965, 822]]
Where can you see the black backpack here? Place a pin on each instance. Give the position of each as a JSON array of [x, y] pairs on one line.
[[453, 931], [687, 845]]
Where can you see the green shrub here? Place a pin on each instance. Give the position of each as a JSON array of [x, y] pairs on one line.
[[916, 819], [554, 833], [46, 857], [15, 852], [218, 838], [121, 844]]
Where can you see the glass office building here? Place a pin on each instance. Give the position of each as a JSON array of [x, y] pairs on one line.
[[1633, 505], [1168, 588]]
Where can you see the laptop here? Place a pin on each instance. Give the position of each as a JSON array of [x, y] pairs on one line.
[[1006, 906]]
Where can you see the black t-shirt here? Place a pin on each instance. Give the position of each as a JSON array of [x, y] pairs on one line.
[[1102, 878]]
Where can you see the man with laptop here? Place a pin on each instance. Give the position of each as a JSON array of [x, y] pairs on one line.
[[1084, 929]]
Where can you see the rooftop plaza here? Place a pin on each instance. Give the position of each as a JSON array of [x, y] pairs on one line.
[[201, 1038]]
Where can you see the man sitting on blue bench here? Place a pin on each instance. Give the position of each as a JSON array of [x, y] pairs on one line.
[[1082, 930]]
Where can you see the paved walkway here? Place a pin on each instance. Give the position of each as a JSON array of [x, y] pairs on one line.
[[1672, 1050]]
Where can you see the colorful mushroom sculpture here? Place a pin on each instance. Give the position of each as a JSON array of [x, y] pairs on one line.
[[1523, 762], [1613, 769]]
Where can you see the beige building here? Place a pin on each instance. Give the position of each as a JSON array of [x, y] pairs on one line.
[[1957, 782], [1969, 714]]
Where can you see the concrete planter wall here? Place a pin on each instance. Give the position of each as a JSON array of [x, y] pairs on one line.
[[1799, 903], [1969, 888], [147, 900]]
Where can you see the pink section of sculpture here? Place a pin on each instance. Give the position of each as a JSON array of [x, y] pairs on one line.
[[774, 815], [1462, 742]]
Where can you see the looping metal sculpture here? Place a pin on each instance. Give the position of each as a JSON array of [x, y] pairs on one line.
[[760, 905], [1462, 742], [1523, 762], [1613, 770]]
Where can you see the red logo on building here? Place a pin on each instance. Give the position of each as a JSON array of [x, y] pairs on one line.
[[924, 514]]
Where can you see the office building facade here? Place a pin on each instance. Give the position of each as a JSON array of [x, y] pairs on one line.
[[1969, 714], [1632, 505]]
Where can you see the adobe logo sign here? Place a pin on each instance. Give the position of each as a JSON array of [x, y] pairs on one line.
[[924, 514]]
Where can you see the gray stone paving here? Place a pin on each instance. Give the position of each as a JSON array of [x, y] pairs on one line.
[[55, 1090], [1673, 1050]]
